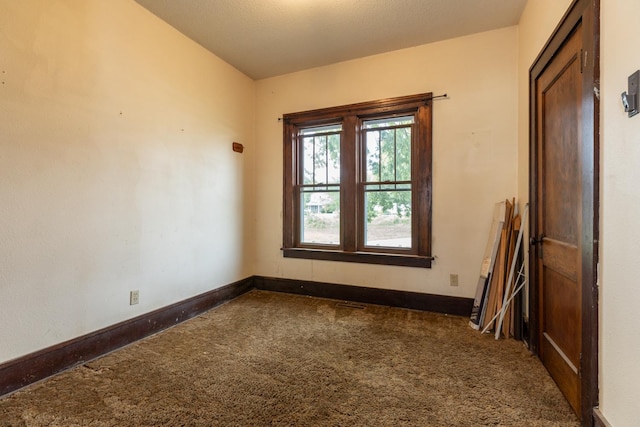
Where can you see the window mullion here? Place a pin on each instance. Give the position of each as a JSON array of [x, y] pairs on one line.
[[326, 160], [379, 157], [313, 175], [395, 158], [348, 180]]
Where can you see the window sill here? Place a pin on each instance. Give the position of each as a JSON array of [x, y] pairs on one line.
[[360, 257]]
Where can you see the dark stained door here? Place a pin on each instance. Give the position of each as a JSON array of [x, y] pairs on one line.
[[559, 190]]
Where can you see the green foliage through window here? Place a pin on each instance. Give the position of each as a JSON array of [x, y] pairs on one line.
[[388, 163]]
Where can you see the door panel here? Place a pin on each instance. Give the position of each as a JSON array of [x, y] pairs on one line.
[[564, 376], [561, 257], [562, 314], [559, 121]]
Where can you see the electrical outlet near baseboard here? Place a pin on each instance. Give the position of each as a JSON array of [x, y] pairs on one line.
[[453, 280], [134, 297]]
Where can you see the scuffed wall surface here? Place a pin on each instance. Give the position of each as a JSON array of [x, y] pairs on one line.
[[117, 169]]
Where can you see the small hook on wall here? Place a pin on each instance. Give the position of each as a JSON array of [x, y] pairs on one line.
[[237, 147]]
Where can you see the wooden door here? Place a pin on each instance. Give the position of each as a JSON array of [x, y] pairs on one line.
[[558, 239], [564, 188]]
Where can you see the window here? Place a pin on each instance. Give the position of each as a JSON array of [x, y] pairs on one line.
[[357, 182]]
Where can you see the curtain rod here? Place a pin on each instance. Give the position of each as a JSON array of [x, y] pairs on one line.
[[444, 95]]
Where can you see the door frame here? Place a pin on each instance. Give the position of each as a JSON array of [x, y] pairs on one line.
[[586, 12]]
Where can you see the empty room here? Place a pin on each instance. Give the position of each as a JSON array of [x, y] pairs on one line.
[[305, 212]]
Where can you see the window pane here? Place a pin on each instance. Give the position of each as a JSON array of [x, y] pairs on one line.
[[320, 160], [373, 156], [388, 122], [320, 155], [307, 160], [388, 219], [388, 149], [387, 155], [320, 217], [333, 164], [321, 129], [403, 154]]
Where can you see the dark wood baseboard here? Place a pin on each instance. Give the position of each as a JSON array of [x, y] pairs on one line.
[[37, 366], [599, 420], [418, 301], [44, 363]]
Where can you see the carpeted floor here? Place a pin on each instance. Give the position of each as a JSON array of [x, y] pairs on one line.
[[269, 359]]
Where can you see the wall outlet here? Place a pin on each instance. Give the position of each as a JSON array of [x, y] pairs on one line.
[[134, 297], [453, 280]]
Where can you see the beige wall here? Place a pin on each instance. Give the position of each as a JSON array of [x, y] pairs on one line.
[[474, 152], [117, 169], [537, 22], [620, 215], [619, 338]]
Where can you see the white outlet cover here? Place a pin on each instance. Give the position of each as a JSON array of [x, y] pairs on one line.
[[134, 297]]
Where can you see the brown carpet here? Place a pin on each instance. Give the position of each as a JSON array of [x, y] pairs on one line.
[[269, 359]]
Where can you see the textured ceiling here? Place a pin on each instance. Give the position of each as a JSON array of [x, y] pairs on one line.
[[265, 38]]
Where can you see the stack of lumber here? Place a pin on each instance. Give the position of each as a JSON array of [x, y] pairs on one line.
[[492, 285]]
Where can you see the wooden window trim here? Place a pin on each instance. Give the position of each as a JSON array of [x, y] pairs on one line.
[[351, 248]]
